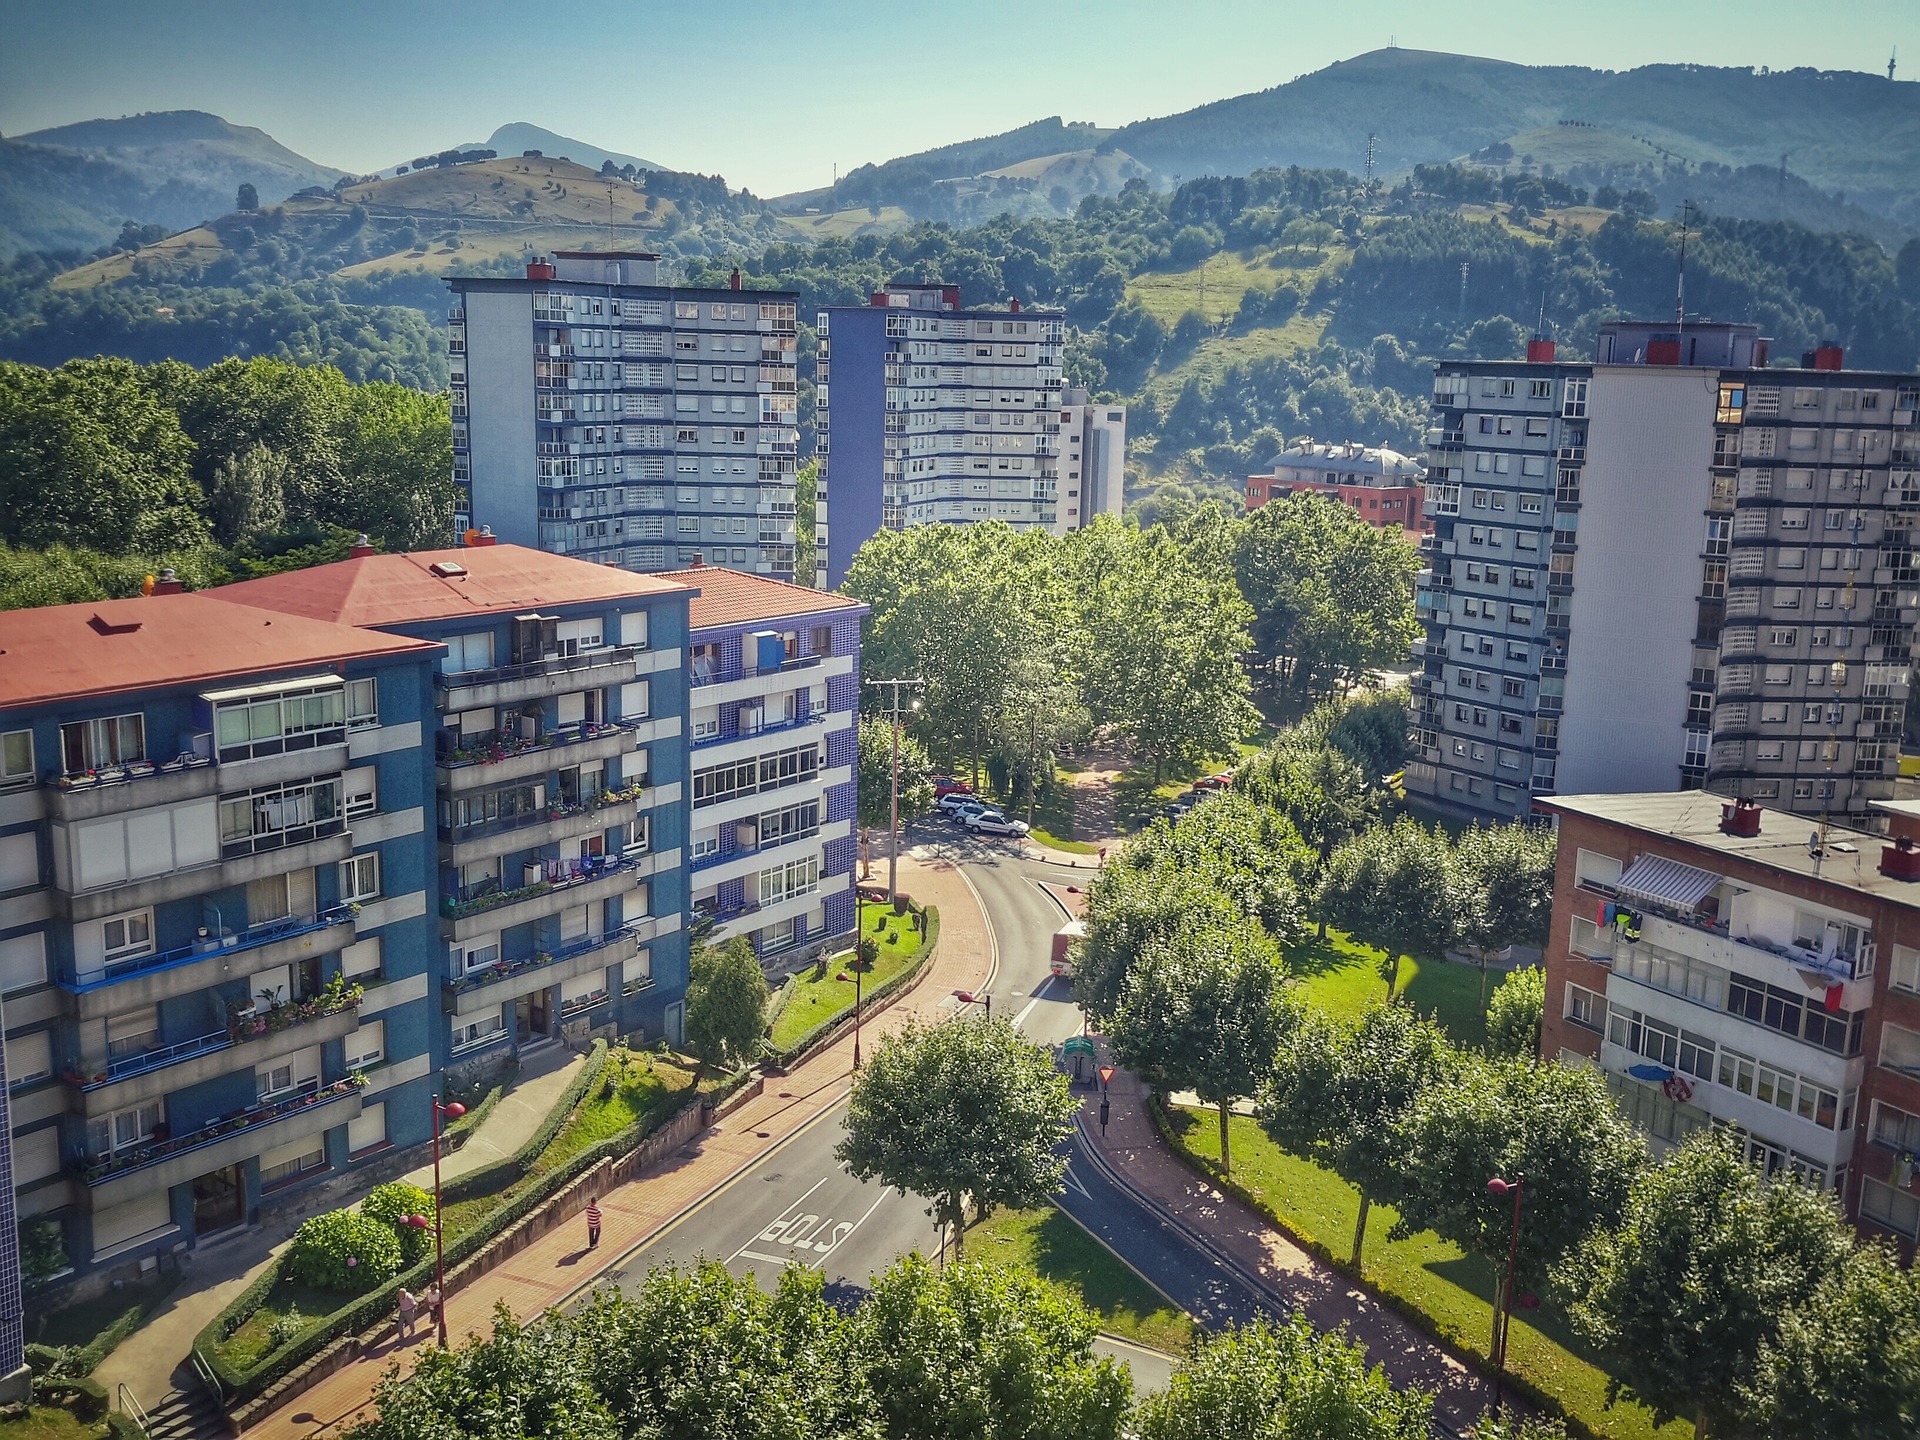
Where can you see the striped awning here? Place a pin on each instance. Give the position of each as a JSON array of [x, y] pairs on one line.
[[1654, 877]]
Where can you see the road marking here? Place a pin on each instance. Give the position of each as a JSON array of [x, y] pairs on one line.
[[780, 1220], [1039, 994], [781, 1260], [1074, 1183], [802, 1234]]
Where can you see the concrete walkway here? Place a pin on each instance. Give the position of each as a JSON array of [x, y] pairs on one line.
[[558, 1265], [152, 1362]]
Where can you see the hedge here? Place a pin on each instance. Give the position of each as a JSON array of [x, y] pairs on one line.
[[88, 1397], [374, 1307], [780, 998], [826, 1029], [123, 1427]]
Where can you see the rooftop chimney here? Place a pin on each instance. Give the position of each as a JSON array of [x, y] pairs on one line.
[[1013, 304], [1900, 860], [1741, 818], [1827, 355], [733, 282], [483, 536], [1539, 351], [541, 269], [879, 298], [168, 583], [699, 561], [361, 547]]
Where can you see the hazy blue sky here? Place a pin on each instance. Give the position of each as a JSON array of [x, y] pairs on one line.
[[774, 95]]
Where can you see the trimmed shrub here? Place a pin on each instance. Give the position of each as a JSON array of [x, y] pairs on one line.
[[323, 1247], [390, 1204]]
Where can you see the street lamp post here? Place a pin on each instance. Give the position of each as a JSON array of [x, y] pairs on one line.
[[420, 1222], [968, 997], [893, 833], [1516, 1188]]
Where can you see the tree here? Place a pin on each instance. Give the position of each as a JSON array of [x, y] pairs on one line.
[[966, 1111], [1141, 896], [247, 500], [1318, 789], [1395, 888], [248, 198], [1202, 1011], [1553, 1124], [874, 781], [726, 1003], [1707, 1258], [1337, 1096], [1281, 1381], [1514, 1018], [1506, 888], [1040, 716], [806, 486], [984, 1352]]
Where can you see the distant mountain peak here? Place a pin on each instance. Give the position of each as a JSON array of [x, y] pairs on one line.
[[520, 136]]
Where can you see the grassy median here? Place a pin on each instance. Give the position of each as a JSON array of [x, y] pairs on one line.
[[1048, 1243]]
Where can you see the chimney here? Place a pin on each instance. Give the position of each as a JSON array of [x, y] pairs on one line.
[[1827, 355], [168, 583], [541, 269], [733, 282], [361, 547], [879, 298], [699, 561], [1741, 818], [1901, 859], [1013, 304], [484, 536], [1539, 351]]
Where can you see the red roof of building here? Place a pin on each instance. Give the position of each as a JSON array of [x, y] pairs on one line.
[[731, 597], [66, 652], [441, 585]]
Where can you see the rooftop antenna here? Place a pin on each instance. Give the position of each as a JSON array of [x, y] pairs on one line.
[[1680, 294], [1463, 288], [1371, 137], [1890, 59]]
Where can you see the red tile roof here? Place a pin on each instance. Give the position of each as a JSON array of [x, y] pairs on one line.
[[67, 652], [731, 597], [398, 589]]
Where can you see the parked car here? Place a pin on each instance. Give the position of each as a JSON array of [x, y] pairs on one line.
[[945, 785], [1222, 781], [959, 806], [992, 822]]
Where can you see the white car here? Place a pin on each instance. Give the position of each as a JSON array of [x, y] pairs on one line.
[[961, 806], [992, 822]]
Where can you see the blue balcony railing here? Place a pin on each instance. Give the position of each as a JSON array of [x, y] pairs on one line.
[[774, 728], [95, 1172], [251, 938], [541, 960], [699, 674]]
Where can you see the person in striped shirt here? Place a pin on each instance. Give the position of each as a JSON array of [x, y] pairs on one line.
[[593, 1222]]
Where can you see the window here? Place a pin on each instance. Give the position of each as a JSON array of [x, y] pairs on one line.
[[124, 1130], [1898, 1210], [360, 877], [363, 704], [125, 936], [16, 757], [784, 882], [1906, 968], [474, 1034], [368, 1129], [468, 652], [281, 815], [274, 724], [292, 1161], [367, 1046], [362, 791], [29, 1058], [94, 744], [1586, 1007]]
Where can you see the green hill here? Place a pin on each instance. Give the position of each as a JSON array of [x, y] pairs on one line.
[[520, 137]]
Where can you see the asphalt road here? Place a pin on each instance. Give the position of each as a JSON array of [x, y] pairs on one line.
[[799, 1206]]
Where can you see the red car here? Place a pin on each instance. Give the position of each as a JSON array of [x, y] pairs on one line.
[[945, 785], [1222, 781]]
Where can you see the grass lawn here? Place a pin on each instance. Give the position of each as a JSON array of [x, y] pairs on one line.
[[1454, 1291], [814, 1002], [49, 1422], [1053, 815], [1342, 977], [1053, 1247], [254, 1338]]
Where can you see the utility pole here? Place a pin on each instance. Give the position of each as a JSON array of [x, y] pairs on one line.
[[893, 835], [1463, 289], [1033, 760], [1371, 138]]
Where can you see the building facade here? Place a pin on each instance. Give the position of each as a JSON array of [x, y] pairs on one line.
[[1093, 453], [1650, 575], [774, 676], [601, 414], [1382, 487], [930, 412], [1725, 971], [216, 928], [555, 750]]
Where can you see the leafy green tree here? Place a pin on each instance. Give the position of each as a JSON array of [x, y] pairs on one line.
[[806, 487], [1202, 1011], [1514, 1017], [984, 1352], [247, 199], [247, 500], [1318, 789], [1040, 716], [1506, 888], [1337, 1096], [966, 1111], [726, 1003], [1281, 1381], [1139, 897], [1705, 1260], [1554, 1125], [1394, 887], [874, 781]]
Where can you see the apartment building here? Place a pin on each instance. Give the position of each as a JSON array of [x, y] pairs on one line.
[[601, 414], [774, 675], [1726, 964], [1093, 453], [553, 743], [930, 412], [1381, 486], [1665, 570], [216, 924]]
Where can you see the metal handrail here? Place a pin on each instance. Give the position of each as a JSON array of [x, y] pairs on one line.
[[132, 1408], [263, 934], [204, 1370]]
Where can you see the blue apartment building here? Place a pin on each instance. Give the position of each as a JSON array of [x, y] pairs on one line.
[[216, 923], [773, 711]]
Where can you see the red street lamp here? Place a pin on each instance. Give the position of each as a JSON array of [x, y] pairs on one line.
[[967, 997], [420, 1222], [1504, 1316]]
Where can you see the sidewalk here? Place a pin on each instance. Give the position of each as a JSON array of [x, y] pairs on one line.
[[146, 1361], [1297, 1279], [552, 1268]]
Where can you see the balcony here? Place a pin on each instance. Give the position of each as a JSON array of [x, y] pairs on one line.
[[498, 761], [714, 675], [248, 1041], [227, 1141], [707, 742], [510, 980], [538, 679], [132, 786], [143, 981], [546, 825], [503, 909], [230, 871], [1779, 964]]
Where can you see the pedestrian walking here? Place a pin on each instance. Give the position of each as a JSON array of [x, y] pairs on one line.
[[409, 1308], [593, 1222], [433, 1305]]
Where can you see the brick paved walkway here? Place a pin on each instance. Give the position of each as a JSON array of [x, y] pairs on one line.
[[557, 1265]]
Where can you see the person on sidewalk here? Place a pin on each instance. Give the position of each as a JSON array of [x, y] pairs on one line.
[[409, 1307], [593, 1222], [432, 1301]]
